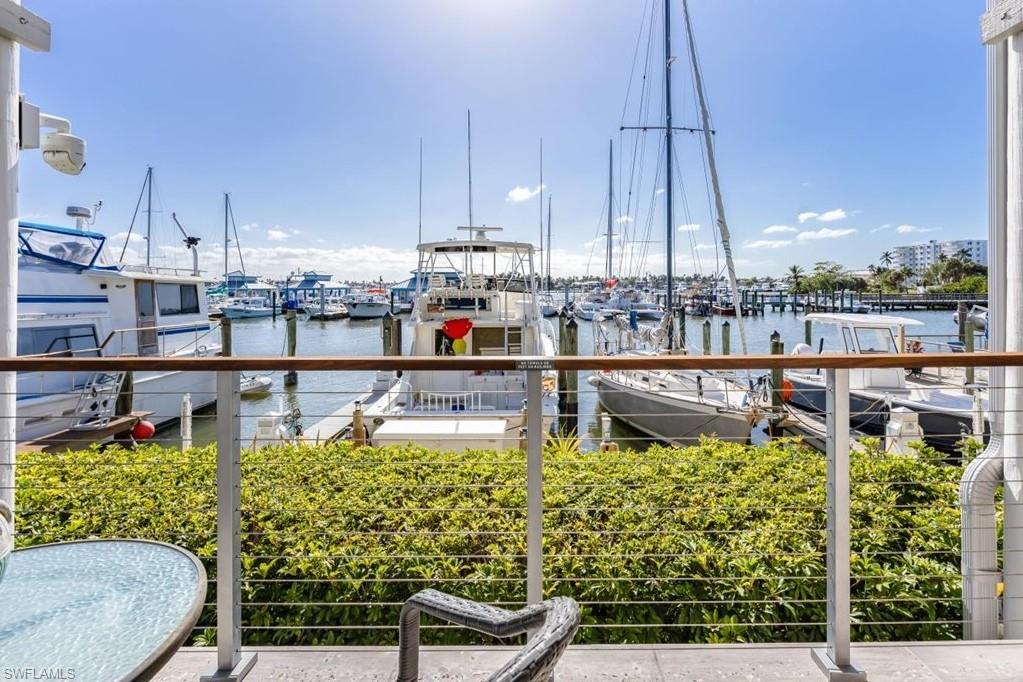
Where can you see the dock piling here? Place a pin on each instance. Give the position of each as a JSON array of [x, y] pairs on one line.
[[726, 338], [186, 421], [706, 337], [225, 336], [777, 379], [808, 332], [291, 377]]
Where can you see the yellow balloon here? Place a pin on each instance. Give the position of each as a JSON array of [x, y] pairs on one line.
[[458, 345]]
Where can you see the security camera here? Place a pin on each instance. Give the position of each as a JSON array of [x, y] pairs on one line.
[[64, 152]]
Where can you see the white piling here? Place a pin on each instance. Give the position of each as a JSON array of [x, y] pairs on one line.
[[186, 421]]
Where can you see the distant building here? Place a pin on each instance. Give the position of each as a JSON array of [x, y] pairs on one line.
[[239, 280], [919, 257]]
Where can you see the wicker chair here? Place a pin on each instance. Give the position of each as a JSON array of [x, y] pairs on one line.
[[555, 621]]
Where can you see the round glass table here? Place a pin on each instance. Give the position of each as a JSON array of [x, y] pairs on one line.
[[97, 609]]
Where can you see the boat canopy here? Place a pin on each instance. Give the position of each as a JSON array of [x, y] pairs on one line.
[[859, 320], [475, 246]]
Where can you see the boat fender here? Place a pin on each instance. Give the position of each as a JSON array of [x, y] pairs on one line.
[[786, 390], [143, 430]]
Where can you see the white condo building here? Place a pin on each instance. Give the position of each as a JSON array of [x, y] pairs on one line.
[[919, 257]]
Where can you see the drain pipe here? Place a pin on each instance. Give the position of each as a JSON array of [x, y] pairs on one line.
[[983, 476]]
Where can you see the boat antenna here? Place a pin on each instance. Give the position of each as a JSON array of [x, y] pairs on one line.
[[468, 131], [149, 213], [420, 190], [610, 210], [719, 202], [138, 205], [669, 209]]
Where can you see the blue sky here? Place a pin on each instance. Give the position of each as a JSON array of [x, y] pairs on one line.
[[310, 114]]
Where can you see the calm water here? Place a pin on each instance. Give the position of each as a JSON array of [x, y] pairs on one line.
[[320, 393]]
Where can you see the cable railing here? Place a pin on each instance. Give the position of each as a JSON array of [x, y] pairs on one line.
[[730, 528]]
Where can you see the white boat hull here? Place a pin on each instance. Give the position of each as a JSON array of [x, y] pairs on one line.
[[367, 311]]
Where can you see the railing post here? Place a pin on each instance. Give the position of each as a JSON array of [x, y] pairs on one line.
[[232, 665], [835, 660], [534, 486]]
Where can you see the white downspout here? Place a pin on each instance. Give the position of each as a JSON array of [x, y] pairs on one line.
[[983, 476]]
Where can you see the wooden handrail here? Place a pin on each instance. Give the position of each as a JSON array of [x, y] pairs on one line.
[[468, 363]]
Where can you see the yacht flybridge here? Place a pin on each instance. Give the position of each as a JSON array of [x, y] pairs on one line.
[[492, 308], [74, 301]]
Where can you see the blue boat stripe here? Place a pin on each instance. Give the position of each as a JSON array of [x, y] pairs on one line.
[[185, 330], [44, 298]]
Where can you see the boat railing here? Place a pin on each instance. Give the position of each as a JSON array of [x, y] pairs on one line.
[[711, 541], [448, 401], [153, 341], [163, 270]]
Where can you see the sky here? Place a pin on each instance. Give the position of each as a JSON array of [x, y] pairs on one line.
[[842, 128]]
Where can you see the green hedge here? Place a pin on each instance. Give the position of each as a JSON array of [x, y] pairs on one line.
[[710, 543]]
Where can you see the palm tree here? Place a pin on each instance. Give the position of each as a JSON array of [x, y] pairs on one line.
[[887, 259], [796, 277]]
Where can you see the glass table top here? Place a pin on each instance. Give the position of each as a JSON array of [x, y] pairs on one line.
[[96, 610]]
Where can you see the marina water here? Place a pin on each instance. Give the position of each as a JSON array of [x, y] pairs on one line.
[[318, 394]]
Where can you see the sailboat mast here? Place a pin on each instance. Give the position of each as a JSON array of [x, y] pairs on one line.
[[420, 191], [719, 202], [669, 188], [227, 240], [548, 243], [610, 210], [541, 211], [468, 132], [149, 212]]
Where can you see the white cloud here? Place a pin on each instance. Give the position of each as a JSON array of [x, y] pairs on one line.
[[518, 194], [767, 243], [294, 231], [824, 233], [704, 246], [779, 229], [807, 215], [134, 237], [879, 228], [247, 227], [910, 229], [829, 216], [276, 235], [689, 227], [623, 219], [659, 190]]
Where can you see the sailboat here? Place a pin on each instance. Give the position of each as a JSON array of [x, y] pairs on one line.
[[675, 406], [246, 304]]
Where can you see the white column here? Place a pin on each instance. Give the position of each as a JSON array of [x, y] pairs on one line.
[[1012, 605], [9, 62]]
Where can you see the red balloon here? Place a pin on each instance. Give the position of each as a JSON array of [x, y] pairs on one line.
[[457, 328], [143, 430]]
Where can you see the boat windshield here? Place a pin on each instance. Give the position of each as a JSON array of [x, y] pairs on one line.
[[79, 249], [875, 340]]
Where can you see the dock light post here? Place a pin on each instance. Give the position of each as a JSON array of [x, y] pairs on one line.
[[20, 124]]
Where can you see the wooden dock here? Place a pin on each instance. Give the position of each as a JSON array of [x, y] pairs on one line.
[[72, 439]]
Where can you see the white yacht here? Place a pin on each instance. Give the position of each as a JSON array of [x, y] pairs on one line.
[[329, 308], [370, 304], [490, 310], [247, 307], [74, 301], [945, 413]]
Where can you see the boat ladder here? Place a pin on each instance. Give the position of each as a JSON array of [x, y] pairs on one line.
[[97, 401]]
